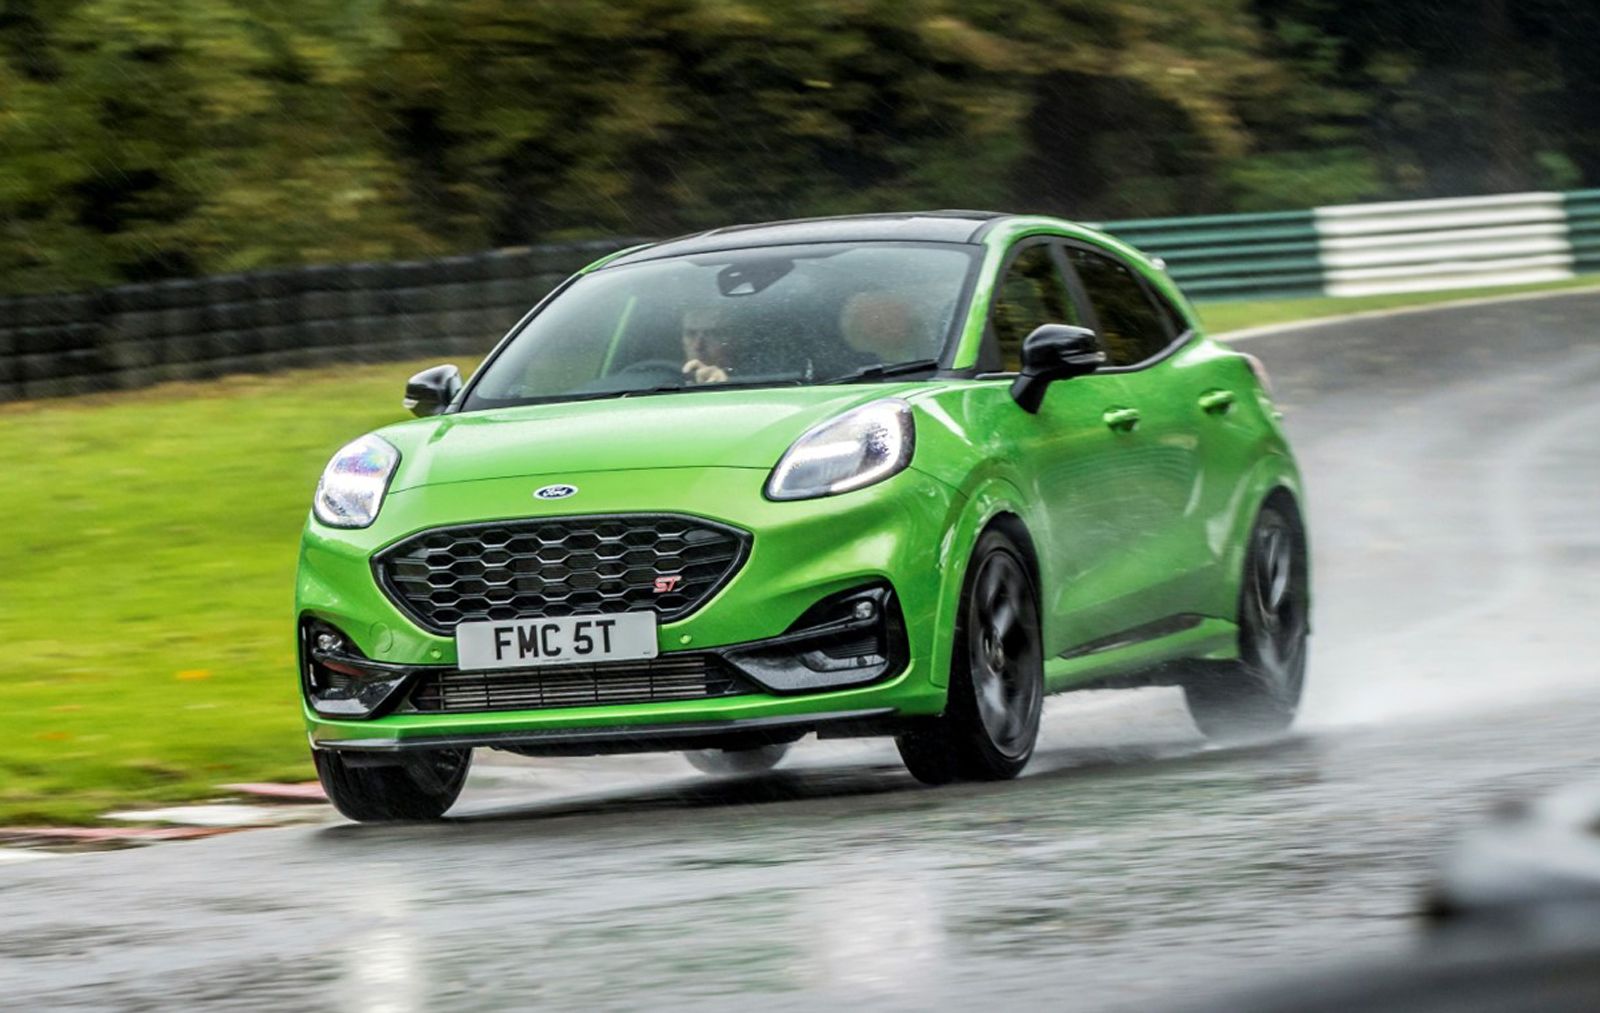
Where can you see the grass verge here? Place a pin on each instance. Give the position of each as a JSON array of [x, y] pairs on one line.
[[146, 584], [1221, 317]]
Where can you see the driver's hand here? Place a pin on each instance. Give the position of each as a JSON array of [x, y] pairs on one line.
[[696, 371]]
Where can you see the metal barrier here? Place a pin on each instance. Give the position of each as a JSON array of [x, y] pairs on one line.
[[1376, 249], [136, 335], [1583, 229], [1421, 246], [1260, 256]]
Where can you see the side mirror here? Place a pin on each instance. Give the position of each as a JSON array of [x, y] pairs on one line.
[[1054, 352], [430, 391]]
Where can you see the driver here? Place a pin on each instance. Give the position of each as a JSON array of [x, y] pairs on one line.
[[706, 346]]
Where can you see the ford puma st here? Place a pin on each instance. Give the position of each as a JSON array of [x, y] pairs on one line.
[[898, 475]]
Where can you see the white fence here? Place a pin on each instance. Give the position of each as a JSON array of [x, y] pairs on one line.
[[1374, 249], [1418, 246]]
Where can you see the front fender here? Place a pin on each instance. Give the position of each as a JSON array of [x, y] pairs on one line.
[[981, 501]]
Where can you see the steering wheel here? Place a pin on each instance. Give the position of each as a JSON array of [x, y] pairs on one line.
[[665, 368]]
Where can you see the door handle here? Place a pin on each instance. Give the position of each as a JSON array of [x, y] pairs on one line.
[[1216, 402], [1123, 420]]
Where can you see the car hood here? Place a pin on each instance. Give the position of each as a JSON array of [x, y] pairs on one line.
[[732, 429]]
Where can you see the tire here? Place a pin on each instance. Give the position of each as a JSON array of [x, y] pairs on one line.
[[737, 761], [1258, 695], [420, 787], [991, 719]]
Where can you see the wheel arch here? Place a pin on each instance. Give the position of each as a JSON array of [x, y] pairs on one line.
[[1274, 480], [1016, 530], [997, 504], [1288, 501]]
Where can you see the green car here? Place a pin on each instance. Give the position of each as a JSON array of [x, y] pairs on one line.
[[897, 474]]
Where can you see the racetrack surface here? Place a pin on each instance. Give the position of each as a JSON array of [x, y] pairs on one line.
[[1453, 465]]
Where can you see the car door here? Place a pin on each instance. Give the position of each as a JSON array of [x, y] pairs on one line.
[[1071, 457], [1161, 566]]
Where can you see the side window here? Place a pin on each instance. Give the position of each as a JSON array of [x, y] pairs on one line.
[[1131, 328], [1176, 324], [1031, 293]]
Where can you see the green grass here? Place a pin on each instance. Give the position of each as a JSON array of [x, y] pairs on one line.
[[146, 576], [1221, 317], [146, 584]]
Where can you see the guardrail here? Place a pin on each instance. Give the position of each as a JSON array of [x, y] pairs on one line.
[[1273, 256], [136, 335], [1377, 249], [1583, 229], [1420, 246]]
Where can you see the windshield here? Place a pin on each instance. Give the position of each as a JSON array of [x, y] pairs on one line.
[[773, 316]]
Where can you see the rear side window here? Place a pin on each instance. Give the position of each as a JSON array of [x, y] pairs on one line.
[[1131, 328], [1175, 320], [1031, 294]]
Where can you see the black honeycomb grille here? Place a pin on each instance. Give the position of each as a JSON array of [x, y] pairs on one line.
[[560, 566], [668, 677]]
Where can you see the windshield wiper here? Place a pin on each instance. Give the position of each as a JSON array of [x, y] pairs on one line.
[[878, 370], [679, 388]]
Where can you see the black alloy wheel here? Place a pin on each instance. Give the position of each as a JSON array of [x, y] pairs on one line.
[[996, 695], [417, 786], [737, 761], [1259, 694]]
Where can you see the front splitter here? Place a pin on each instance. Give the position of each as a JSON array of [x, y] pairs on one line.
[[739, 733]]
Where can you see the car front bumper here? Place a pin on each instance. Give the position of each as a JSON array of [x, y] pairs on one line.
[[892, 535]]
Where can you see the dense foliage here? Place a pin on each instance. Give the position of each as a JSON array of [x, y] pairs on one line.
[[155, 138]]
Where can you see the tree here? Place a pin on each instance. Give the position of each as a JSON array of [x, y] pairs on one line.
[[1444, 100], [158, 138], [161, 138]]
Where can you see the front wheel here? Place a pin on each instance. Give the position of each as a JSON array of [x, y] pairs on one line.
[[1258, 695], [991, 721], [737, 761], [415, 787]]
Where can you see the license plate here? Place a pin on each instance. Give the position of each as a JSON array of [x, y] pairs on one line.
[[575, 640]]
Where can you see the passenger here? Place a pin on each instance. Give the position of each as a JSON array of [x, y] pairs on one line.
[[884, 326]]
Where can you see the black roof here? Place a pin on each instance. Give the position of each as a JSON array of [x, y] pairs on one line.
[[909, 226]]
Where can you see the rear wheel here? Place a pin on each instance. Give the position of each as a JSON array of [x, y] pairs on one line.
[[1258, 695], [991, 721], [416, 787], [737, 761]]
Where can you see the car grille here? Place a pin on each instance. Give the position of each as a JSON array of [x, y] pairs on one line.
[[560, 566], [669, 677]]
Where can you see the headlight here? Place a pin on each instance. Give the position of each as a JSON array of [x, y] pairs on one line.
[[353, 483], [860, 447]]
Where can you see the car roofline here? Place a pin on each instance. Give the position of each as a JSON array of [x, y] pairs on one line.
[[957, 213], [743, 236]]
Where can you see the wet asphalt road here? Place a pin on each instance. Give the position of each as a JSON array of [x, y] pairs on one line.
[[1453, 463]]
